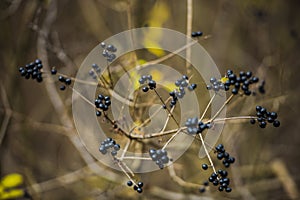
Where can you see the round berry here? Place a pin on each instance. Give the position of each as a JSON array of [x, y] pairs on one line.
[[262, 124], [98, 113], [202, 189], [276, 123], [140, 184], [53, 71], [204, 166], [139, 190], [62, 87], [273, 115], [252, 121], [68, 81], [234, 91], [117, 147], [129, 183], [145, 89]]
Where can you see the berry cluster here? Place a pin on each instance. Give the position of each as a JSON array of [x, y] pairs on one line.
[[66, 81], [179, 92], [147, 79], [243, 81], [108, 51], [220, 179], [264, 117], [107, 144], [102, 102], [138, 187], [216, 85], [194, 127], [222, 154], [32, 70], [196, 34], [95, 68], [160, 157]]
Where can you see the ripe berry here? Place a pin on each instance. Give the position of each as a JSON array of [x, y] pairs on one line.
[[140, 184], [252, 121], [139, 190], [204, 166], [129, 183], [202, 189], [276, 123], [145, 89], [53, 71], [68, 81]]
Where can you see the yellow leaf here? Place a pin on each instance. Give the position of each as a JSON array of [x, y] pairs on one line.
[[153, 47], [12, 180], [12, 194], [224, 79]]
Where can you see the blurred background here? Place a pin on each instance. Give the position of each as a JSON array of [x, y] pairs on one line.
[[37, 135]]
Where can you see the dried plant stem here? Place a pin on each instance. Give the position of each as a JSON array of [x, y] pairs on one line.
[[207, 107], [189, 21], [136, 158], [162, 101], [171, 138], [207, 154], [167, 120], [8, 114], [222, 107], [234, 118], [179, 180]]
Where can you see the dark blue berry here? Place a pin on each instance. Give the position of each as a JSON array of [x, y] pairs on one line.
[[129, 183], [140, 184], [139, 190], [145, 89], [53, 71], [276, 123], [204, 166], [202, 189]]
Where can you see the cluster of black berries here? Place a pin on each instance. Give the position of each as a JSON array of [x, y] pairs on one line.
[[138, 187], [196, 34], [95, 68], [160, 157], [32, 70], [241, 81], [147, 79], [216, 85], [194, 127], [264, 117], [66, 81], [102, 102], [108, 51], [107, 144], [222, 154], [179, 92], [220, 179]]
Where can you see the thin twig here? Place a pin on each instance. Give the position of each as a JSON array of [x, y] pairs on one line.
[[8, 114], [207, 154], [189, 21], [222, 107], [179, 180], [208, 105]]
